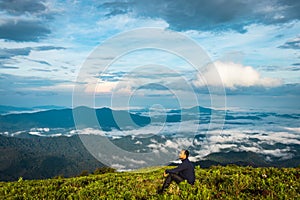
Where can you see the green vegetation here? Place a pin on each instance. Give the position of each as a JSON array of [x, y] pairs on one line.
[[230, 182]]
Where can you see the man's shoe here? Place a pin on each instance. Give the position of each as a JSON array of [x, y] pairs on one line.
[[160, 191]]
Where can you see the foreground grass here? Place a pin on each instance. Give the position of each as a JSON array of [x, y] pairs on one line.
[[229, 182]]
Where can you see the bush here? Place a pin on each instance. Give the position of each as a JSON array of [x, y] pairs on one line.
[[103, 170], [84, 173]]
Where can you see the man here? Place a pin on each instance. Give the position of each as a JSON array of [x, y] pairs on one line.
[[185, 171]]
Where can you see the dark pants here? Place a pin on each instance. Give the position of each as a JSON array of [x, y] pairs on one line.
[[170, 178]]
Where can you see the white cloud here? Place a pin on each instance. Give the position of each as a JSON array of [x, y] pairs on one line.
[[232, 75]]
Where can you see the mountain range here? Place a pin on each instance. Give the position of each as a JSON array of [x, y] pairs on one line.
[[39, 145]]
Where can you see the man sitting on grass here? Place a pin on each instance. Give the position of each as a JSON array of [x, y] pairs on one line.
[[185, 171]]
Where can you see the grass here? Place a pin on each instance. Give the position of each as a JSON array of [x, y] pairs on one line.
[[230, 182]]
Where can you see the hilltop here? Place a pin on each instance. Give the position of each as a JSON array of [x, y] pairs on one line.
[[228, 182]]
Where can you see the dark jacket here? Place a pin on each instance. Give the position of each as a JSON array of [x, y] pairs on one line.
[[185, 170]]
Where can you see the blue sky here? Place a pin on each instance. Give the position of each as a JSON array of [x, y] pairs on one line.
[[254, 45]]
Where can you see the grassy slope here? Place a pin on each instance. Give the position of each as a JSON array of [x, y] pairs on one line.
[[229, 182]]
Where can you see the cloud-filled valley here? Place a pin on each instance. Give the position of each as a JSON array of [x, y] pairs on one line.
[[276, 136]]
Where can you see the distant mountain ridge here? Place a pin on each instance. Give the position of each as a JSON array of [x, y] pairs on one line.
[[63, 118], [13, 109], [108, 119], [9, 109]]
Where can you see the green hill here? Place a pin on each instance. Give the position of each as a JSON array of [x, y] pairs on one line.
[[230, 182]]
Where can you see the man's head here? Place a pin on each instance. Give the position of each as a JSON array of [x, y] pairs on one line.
[[184, 154]]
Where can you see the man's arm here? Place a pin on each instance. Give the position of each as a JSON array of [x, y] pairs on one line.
[[179, 168]]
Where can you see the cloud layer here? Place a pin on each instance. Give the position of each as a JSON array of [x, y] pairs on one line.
[[210, 15], [25, 20]]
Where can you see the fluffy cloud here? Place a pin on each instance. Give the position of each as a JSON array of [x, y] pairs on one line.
[[233, 75]]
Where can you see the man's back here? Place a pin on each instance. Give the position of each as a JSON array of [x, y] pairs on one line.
[[185, 170]]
